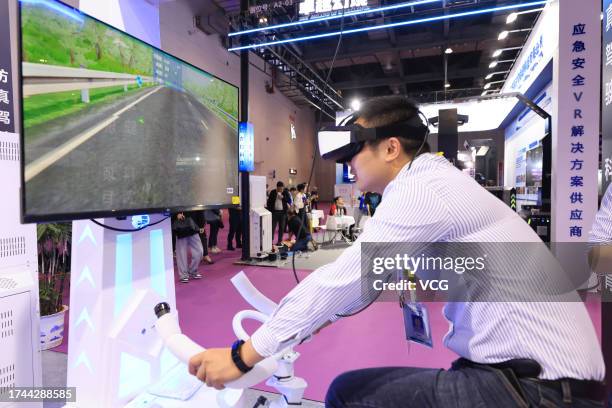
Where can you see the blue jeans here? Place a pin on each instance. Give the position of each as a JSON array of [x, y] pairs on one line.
[[302, 244], [468, 387]]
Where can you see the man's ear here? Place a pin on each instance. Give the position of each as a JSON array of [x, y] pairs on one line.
[[392, 147]]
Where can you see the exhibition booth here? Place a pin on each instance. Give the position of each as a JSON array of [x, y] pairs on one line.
[[121, 117]]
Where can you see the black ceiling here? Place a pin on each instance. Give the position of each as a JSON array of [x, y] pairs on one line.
[[409, 59]]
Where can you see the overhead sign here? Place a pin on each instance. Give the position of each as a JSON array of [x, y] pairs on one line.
[[533, 59], [7, 117], [246, 147], [320, 8], [537, 52]]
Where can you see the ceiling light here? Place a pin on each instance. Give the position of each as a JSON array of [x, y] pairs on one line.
[[493, 64], [449, 50], [447, 85], [511, 18], [495, 73], [355, 104], [496, 53], [378, 27], [487, 86], [503, 35], [482, 151]]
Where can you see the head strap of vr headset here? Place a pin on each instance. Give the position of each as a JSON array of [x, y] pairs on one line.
[[413, 128]]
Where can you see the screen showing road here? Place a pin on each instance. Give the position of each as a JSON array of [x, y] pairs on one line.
[[112, 125]]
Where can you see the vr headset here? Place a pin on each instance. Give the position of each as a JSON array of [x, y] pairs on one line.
[[342, 143]]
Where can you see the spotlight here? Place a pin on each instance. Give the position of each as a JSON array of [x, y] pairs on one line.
[[487, 86], [449, 50], [493, 64], [489, 76], [497, 53], [447, 85], [511, 18], [503, 35], [355, 104]]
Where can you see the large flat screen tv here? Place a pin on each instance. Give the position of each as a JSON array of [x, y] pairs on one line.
[[113, 126]]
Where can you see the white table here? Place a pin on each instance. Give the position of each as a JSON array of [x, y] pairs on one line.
[[315, 218]]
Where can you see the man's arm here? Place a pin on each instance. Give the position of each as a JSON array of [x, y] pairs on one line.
[[336, 288], [600, 254]]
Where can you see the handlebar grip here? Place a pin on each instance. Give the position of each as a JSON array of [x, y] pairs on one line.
[[252, 295], [183, 348]]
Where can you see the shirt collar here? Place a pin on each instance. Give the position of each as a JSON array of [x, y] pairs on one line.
[[408, 170]]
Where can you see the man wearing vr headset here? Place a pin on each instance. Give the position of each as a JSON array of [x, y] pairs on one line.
[[426, 199]]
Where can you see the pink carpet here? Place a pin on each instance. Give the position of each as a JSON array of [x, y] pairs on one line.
[[372, 338]]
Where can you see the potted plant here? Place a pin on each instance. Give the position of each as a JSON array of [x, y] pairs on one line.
[[53, 270]]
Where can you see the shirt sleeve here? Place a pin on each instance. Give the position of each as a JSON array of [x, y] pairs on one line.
[[602, 227], [411, 213]]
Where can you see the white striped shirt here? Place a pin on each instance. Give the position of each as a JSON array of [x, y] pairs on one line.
[[433, 202], [602, 227]]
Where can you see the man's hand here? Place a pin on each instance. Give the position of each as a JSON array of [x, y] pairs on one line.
[[180, 216], [202, 230], [214, 367]]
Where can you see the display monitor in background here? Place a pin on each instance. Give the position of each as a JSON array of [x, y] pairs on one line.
[[534, 159], [114, 126], [347, 176]]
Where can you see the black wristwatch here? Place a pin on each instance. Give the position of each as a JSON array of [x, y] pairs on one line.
[[237, 359]]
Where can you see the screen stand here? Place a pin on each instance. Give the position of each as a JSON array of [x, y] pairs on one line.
[[117, 278]]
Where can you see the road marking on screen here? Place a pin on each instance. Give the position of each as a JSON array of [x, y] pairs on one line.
[[205, 125], [39, 165]]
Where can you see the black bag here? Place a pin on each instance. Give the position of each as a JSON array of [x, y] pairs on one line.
[[185, 228], [213, 217]]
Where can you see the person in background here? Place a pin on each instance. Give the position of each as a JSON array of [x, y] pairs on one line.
[[337, 208], [198, 218], [235, 228], [187, 240], [314, 199], [278, 204], [215, 220], [363, 210], [299, 229], [292, 194], [299, 203], [372, 201]]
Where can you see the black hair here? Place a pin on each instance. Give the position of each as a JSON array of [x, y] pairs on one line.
[[301, 187], [280, 184], [389, 110]]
